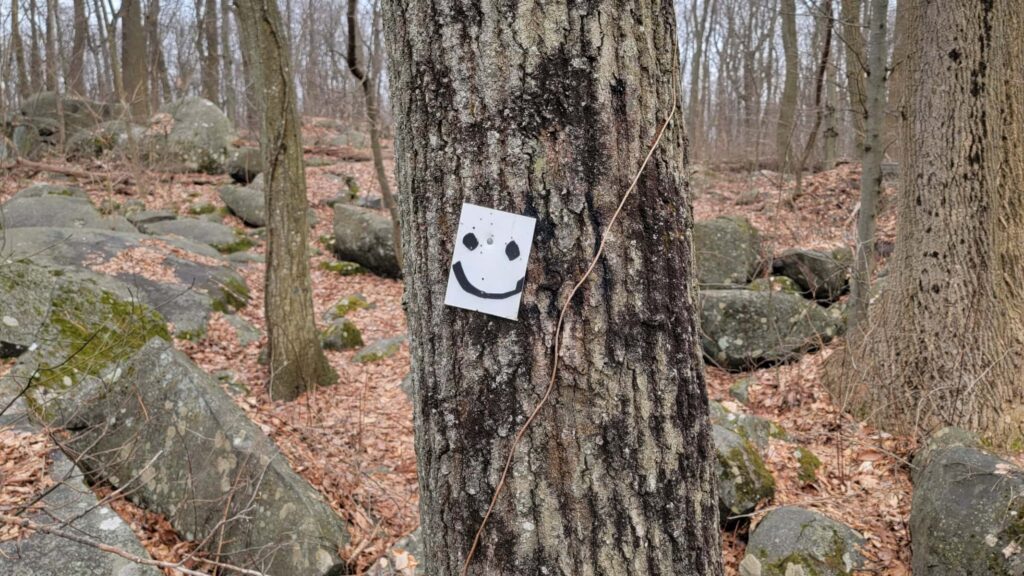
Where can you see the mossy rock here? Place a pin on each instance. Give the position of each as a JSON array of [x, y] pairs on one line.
[[754, 429], [343, 268], [346, 304], [88, 332], [727, 251], [743, 480], [379, 350], [809, 464], [967, 514], [342, 334], [791, 540], [202, 208]]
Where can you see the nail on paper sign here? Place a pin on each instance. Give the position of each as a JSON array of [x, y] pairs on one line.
[[489, 264]]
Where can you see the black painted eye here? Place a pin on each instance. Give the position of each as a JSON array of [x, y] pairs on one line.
[[512, 250], [470, 241]]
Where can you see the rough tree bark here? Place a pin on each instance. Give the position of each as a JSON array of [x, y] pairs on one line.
[[297, 364], [871, 174], [133, 46], [547, 109], [945, 340], [790, 89]]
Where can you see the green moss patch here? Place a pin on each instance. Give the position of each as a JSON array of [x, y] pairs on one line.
[[342, 267]]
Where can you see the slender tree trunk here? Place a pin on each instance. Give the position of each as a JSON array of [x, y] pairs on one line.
[[790, 90], [945, 343], [819, 86], [50, 46], [548, 110], [76, 67], [369, 86], [35, 56], [696, 116], [210, 65], [159, 81], [856, 67], [871, 175], [18, 47], [227, 55], [133, 60], [831, 131], [297, 364]]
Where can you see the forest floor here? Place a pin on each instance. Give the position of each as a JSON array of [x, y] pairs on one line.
[[354, 441]]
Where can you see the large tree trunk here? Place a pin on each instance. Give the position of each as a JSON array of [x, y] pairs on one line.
[[297, 364], [133, 59], [227, 55], [790, 90], [945, 344], [548, 110], [35, 57], [76, 68]]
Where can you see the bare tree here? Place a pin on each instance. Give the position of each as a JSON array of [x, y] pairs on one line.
[[871, 175], [297, 364], [790, 92], [369, 84], [133, 45]]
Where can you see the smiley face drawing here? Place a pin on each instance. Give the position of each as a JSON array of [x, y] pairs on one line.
[[488, 269]]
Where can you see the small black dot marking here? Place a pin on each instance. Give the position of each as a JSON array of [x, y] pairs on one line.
[[512, 250], [470, 241]]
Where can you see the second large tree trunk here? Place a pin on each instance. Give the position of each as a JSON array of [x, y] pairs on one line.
[[944, 346], [547, 109]]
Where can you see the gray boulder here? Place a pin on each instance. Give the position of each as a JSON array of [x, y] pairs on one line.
[[24, 306], [192, 135], [115, 135], [143, 217], [46, 555], [791, 541], [224, 239], [140, 426], [820, 275], [379, 350], [244, 164], [58, 212], [405, 558], [754, 429], [364, 236], [197, 290], [249, 203], [728, 251], [37, 121], [742, 329], [743, 479], [967, 515], [56, 189]]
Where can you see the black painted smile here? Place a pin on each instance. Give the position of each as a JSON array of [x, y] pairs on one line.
[[468, 287]]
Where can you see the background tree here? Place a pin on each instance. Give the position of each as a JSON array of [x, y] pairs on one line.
[[367, 78], [787, 107], [856, 66], [945, 344], [554, 125], [76, 67], [297, 364], [133, 45], [871, 174]]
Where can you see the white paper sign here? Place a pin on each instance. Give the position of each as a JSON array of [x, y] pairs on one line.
[[488, 269]]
